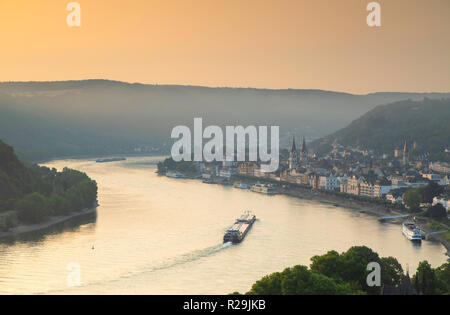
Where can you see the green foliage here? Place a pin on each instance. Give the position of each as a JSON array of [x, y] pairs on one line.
[[33, 208], [299, 281], [184, 167], [331, 273], [60, 205], [413, 198], [443, 275], [351, 267], [425, 280], [436, 212], [432, 190], [30, 193], [343, 274], [69, 178], [392, 271]]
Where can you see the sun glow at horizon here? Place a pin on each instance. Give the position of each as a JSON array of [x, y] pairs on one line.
[[324, 44]]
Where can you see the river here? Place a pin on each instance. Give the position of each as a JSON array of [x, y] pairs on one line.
[[156, 235]]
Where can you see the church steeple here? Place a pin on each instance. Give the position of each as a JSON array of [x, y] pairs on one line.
[[293, 157], [303, 148], [293, 147], [303, 154]]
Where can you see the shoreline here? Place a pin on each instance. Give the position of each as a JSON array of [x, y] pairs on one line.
[[367, 207], [341, 201], [23, 229], [93, 157]]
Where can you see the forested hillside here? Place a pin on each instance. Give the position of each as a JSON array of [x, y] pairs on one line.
[[32, 194], [425, 125]]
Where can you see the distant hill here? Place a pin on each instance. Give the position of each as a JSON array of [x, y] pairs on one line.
[[98, 117], [385, 128]]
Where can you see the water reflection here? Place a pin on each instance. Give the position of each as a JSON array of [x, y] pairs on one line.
[[156, 235], [86, 222]]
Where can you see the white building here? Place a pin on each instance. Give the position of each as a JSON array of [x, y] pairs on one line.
[[329, 182], [225, 173], [443, 201], [395, 196]]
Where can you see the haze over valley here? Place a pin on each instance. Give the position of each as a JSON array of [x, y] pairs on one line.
[[98, 117]]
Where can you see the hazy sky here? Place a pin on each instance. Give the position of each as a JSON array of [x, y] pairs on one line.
[[317, 44]]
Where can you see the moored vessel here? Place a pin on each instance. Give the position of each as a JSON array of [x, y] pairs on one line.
[[264, 189], [411, 231], [240, 185], [174, 175]]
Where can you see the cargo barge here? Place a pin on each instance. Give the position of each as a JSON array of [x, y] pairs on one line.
[[240, 228], [110, 160]]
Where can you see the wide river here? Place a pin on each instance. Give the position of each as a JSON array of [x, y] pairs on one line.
[[156, 235]]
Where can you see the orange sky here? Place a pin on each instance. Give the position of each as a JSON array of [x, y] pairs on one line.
[[319, 44]]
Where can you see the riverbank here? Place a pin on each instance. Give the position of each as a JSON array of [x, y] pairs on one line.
[[23, 229], [378, 210], [361, 206], [95, 157]]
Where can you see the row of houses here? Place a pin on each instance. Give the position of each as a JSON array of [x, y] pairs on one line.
[[391, 188], [440, 167], [355, 185]]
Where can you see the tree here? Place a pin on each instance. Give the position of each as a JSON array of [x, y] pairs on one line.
[[432, 190], [329, 265], [436, 211], [59, 205], [350, 267], [26, 189], [33, 208], [391, 271], [425, 280], [443, 275], [268, 285], [346, 273], [412, 199], [356, 260], [299, 281]]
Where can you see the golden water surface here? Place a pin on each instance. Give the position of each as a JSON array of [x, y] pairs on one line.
[[156, 235]]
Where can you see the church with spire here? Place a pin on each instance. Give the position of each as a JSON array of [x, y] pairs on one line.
[[297, 157], [293, 156]]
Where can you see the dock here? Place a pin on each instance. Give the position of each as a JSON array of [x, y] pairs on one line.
[[393, 217]]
